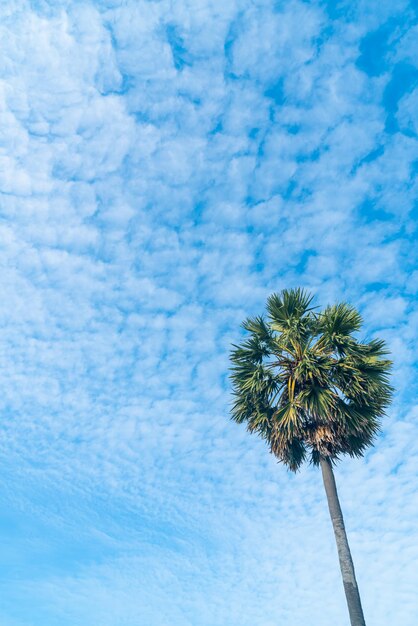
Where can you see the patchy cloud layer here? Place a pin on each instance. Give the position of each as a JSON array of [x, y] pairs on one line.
[[164, 166]]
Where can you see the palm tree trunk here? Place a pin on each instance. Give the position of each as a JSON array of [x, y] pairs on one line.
[[344, 554]]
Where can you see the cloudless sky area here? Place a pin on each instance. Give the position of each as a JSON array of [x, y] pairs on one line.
[[165, 166]]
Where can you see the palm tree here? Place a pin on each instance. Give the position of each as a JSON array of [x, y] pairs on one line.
[[305, 383]]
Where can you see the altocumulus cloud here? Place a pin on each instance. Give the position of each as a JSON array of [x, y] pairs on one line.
[[165, 166]]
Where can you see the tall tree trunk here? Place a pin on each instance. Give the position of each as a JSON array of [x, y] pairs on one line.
[[344, 554]]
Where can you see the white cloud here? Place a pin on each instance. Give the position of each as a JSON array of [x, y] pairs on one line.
[[145, 212]]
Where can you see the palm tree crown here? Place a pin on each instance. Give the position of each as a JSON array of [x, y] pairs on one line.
[[306, 383]]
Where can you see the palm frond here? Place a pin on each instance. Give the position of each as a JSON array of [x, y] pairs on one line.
[[340, 319], [287, 308], [291, 452]]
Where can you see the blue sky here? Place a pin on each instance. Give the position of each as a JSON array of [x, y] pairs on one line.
[[164, 166]]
